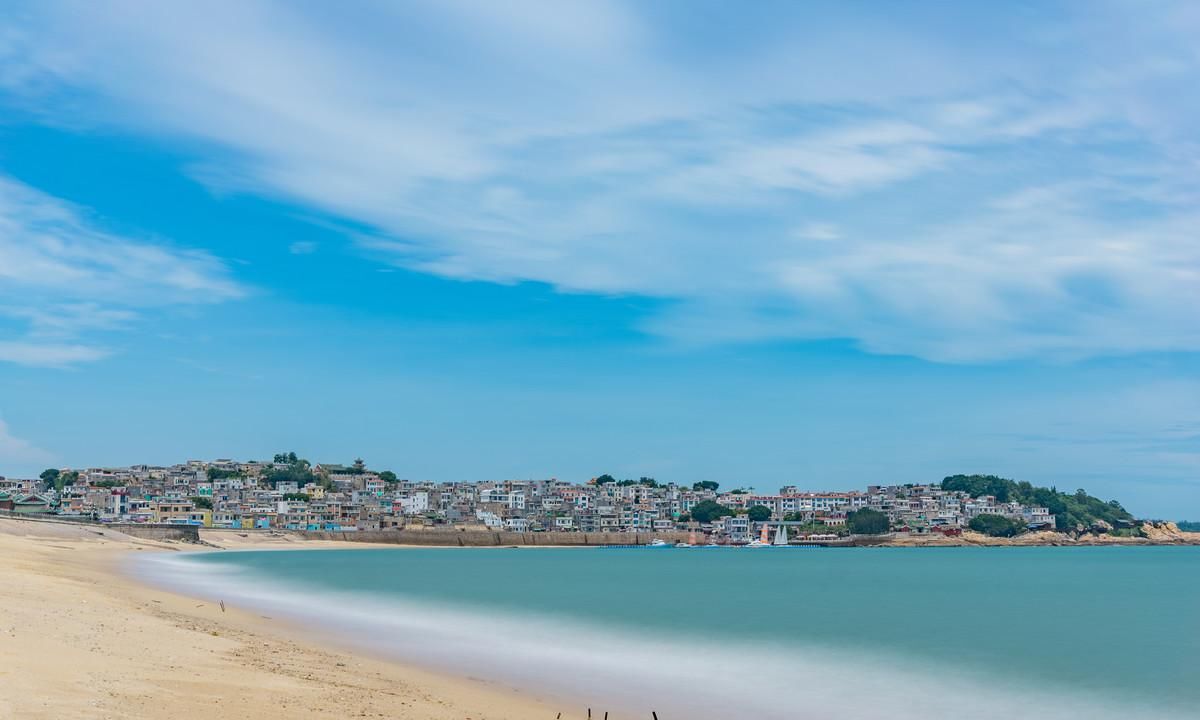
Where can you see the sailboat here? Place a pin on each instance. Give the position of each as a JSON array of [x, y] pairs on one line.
[[781, 537]]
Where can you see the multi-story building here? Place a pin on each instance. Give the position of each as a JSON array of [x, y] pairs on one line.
[[233, 494]]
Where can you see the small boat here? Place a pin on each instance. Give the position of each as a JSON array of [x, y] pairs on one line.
[[763, 539], [781, 537], [659, 543], [683, 544]]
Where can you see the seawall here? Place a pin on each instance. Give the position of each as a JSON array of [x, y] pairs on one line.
[[144, 531], [181, 533], [477, 538]]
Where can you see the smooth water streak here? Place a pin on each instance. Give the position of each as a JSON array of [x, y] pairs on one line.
[[592, 655]]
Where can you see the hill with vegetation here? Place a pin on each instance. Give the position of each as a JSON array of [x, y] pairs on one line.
[[1072, 511]]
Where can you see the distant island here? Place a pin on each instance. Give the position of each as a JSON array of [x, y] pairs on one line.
[[289, 493]]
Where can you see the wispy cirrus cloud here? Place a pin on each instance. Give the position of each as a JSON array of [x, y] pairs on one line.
[[990, 194], [63, 279]]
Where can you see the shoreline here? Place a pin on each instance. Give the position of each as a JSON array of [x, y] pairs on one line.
[[1163, 534], [648, 669], [1157, 535], [89, 641], [94, 641], [1154, 534]]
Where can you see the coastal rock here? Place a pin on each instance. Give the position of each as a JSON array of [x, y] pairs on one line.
[[1151, 533], [1168, 532], [1043, 537]]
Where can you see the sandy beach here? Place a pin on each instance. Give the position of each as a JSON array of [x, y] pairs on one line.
[[81, 640]]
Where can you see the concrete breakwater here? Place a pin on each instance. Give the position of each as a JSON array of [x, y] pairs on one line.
[[478, 538]]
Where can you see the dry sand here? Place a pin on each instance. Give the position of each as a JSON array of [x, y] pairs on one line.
[[80, 640]]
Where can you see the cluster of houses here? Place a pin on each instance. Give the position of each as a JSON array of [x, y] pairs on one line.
[[250, 495]]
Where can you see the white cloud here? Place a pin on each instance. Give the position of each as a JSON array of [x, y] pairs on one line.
[[64, 277], [987, 203], [16, 451], [39, 354], [818, 231], [69, 319], [46, 243], [837, 162], [302, 247]]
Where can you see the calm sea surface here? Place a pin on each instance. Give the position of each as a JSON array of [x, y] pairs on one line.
[[788, 633]]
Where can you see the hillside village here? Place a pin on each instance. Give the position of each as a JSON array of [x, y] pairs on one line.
[[289, 494]]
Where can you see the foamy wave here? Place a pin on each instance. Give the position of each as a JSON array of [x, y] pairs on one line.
[[635, 671]]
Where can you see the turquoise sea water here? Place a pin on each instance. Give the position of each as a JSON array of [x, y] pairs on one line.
[[795, 633]]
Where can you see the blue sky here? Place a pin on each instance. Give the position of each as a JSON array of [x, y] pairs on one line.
[[777, 243]]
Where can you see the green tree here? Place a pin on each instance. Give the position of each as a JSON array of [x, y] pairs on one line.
[[814, 526], [605, 479], [297, 470], [202, 502], [707, 511], [388, 477], [53, 478], [867, 522], [1071, 510], [759, 513], [706, 485], [996, 525], [980, 485]]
